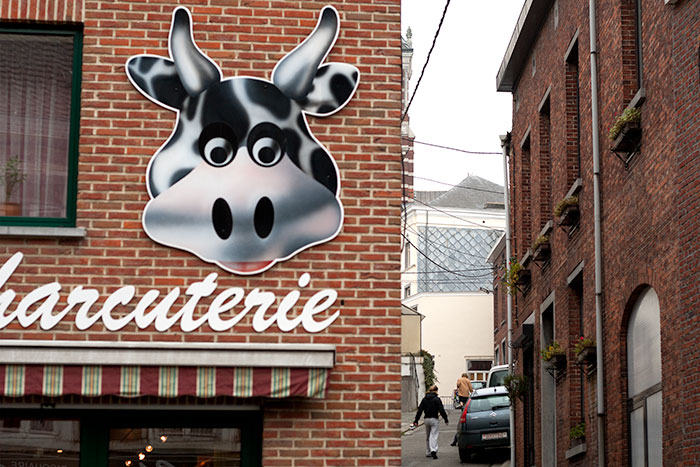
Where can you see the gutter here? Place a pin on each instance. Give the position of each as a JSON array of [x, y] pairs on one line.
[[595, 136], [505, 145]]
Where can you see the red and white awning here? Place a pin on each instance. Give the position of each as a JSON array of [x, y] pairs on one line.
[[164, 381], [52, 369]]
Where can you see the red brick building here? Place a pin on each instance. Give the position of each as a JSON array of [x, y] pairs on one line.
[[632, 402], [132, 331]]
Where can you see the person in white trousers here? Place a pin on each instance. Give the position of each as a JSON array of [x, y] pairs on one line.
[[432, 406]]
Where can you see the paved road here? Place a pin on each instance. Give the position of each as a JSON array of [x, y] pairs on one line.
[[413, 446]]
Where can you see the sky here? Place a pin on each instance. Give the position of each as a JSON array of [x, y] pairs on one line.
[[457, 104]]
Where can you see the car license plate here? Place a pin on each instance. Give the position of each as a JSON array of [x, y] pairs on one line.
[[490, 436]]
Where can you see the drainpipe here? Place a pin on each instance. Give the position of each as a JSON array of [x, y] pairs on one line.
[[505, 145], [595, 123]]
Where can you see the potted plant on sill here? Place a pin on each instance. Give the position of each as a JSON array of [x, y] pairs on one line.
[[626, 132], [516, 275], [11, 176], [541, 248], [577, 434], [567, 210], [554, 356], [585, 351], [517, 387]]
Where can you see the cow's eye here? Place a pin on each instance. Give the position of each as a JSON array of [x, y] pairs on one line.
[[266, 144], [217, 144]]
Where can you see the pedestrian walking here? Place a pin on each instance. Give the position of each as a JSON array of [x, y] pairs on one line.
[[464, 390], [432, 406]]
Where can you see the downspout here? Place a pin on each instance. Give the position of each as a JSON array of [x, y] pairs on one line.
[[505, 145], [595, 123]]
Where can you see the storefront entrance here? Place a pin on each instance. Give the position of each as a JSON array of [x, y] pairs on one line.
[[130, 438]]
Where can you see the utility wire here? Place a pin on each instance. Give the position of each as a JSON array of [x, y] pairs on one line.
[[444, 248], [437, 33], [483, 190], [456, 217], [432, 261], [405, 138]]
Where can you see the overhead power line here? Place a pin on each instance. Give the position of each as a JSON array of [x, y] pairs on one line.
[[405, 138], [458, 186], [437, 33]]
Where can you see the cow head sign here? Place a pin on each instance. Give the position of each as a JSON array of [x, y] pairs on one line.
[[242, 182]]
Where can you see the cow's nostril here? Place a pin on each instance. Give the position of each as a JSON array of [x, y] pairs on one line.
[[264, 217], [222, 218]]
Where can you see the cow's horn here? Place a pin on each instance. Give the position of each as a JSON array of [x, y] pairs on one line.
[[194, 68], [294, 74]]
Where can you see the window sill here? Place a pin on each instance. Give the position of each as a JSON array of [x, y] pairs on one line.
[[42, 232]]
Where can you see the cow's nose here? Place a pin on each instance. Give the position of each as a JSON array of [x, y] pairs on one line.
[[264, 217], [222, 219]]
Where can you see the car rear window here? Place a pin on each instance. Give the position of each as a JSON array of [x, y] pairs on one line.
[[481, 404], [497, 378]]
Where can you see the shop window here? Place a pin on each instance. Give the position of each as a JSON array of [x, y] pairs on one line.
[[39, 442], [39, 112], [130, 438], [161, 447], [644, 381]]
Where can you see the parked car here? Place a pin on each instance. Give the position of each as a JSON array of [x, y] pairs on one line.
[[478, 384], [496, 375], [485, 422]]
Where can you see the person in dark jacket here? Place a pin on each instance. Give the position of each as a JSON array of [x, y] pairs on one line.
[[431, 405]]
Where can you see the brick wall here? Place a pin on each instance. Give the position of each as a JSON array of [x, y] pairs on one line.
[[648, 211], [358, 423]]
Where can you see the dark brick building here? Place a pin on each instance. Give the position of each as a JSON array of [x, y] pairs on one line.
[[639, 394]]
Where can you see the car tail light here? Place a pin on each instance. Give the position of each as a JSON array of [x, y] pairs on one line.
[[463, 418]]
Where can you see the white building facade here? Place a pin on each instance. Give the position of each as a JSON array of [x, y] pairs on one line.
[[445, 276]]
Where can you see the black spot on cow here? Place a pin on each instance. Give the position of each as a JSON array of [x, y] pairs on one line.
[[341, 87], [301, 124], [324, 170], [222, 105], [325, 108], [322, 71], [354, 76], [293, 145], [144, 64], [179, 175], [169, 90], [268, 96]]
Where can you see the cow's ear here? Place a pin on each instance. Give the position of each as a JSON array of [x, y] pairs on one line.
[[333, 86], [157, 79]]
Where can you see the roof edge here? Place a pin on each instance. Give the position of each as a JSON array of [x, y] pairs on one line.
[[527, 28]]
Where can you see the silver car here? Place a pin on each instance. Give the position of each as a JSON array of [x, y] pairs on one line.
[[485, 422]]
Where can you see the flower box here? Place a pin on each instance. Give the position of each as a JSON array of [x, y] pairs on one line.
[[542, 252], [524, 277], [556, 362], [587, 356], [569, 215], [628, 138]]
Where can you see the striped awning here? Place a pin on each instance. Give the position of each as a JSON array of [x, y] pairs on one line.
[[136, 381], [64, 369]]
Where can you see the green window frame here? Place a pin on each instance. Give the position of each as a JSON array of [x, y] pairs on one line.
[[74, 31]]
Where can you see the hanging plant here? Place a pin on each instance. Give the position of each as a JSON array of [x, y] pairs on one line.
[[429, 376], [512, 276], [630, 115], [578, 431], [517, 387]]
